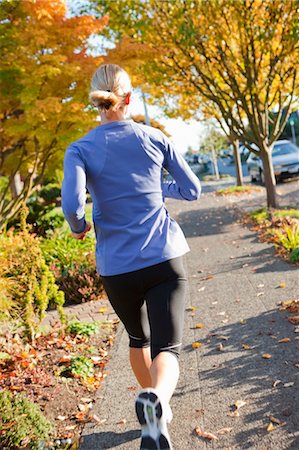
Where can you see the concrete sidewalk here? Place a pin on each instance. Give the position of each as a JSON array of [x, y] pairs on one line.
[[234, 283]]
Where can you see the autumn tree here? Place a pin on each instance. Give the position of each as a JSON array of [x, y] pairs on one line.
[[240, 55], [45, 71]]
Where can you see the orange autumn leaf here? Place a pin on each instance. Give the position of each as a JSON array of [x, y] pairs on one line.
[[284, 340], [205, 434], [270, 427], [246, 347], [266, 356], [196, 344], [199, 325], [294, 320]]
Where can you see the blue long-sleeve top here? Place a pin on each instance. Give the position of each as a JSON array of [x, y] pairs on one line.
[[121, 165]]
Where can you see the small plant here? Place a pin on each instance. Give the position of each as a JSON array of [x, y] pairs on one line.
[[280, 226], [30, 283], [74, 267], [82, 328], [79, 367], [288, 237], [294, 256], [22, 423]]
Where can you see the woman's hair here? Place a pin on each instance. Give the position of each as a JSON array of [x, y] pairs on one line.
[[110, 85]]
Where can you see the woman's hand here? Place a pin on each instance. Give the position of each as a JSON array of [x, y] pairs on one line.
[[81, 236]]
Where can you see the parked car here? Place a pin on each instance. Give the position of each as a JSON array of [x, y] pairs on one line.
[[285, 160]]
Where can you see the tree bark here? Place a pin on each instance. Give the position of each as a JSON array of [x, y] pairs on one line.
[[238, 163], [16, 185], [269, 176], [216, 170]]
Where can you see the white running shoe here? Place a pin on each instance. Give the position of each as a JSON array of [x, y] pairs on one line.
[[153, 418]]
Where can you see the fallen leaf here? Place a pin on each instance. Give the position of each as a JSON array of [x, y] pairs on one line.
[[70, 427], [121, 422], [193, 314], [260, 293], [243, 321], [224, 430], [205, 434], [199, 325], [294, 320], [270, 427], [222, 337], [297, 365], [290, 384], [222, 313], [61, 418], [246, 347], [96, 419], [274, 420], [201, 289], [239, 403], [260, 285], [291, 306], [220, 347], [266, 356], [191, 308], [276, 383], [86, 400], [103, 310], [282, 285], [196, 344], [234, 413], [208, 277], [81, 416], [284, 340]]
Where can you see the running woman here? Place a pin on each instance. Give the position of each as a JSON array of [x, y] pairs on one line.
[[139, 246]]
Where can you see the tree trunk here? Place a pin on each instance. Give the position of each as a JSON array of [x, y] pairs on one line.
[[270, 182], [216, 170], [16, 185], [238, 164]]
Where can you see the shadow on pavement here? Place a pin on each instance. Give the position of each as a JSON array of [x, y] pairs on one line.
[[238, 368], [109, 439], [218, 221]]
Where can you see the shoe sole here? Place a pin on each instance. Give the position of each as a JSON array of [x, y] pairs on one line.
[[149, 413]]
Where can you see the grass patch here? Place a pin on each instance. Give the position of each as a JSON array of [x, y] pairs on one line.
[[22, 423], [237, 190], [281, 227]]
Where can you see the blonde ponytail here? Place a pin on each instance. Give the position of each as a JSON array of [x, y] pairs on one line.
[[110, 85]]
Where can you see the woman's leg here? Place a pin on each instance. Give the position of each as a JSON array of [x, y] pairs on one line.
[[165, 374], [141, 361]]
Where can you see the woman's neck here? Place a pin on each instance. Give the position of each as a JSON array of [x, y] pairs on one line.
[[114, 116]]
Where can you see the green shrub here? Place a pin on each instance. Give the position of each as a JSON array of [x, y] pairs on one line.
[[43, 215], [294, 256], [80, 367], [21, 422], [74, 267], [30, 283], [82, 328]]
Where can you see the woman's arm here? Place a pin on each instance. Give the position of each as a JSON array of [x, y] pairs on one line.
[[186, 185], [74, 193]]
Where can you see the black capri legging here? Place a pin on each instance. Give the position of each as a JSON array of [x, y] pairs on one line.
[[151, 302]]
